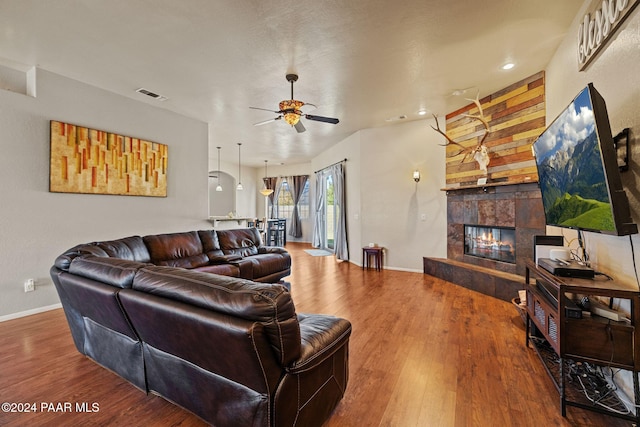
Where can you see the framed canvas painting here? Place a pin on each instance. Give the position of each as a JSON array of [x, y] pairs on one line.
[[91, 161]]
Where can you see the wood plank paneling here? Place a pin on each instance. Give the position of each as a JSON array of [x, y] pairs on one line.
[[516, 116]]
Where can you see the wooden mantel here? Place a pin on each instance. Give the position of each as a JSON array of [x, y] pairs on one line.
[[488, 185]]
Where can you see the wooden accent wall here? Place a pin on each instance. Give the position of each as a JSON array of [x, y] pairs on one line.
[[517, 116]]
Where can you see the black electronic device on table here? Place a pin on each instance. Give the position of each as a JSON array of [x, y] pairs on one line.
[[566, 268]]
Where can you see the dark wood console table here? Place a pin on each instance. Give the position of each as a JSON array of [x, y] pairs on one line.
[[567, 344]]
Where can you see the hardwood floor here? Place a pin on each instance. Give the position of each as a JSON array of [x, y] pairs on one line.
[[423, 352]]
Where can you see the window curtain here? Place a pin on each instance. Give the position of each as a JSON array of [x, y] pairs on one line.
[[318, 229], [274, 196], [296, 187], [341, 246], [271, 183]]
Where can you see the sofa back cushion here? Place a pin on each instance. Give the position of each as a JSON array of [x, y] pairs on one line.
[[241, 241], [268, 304], [129, 248], [112, 271], [182, 250], [210, 243]]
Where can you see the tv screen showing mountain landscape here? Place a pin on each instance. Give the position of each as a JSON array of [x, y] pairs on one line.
[[571, 171]]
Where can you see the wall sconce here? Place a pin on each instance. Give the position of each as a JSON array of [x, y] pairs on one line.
[[416, 175]]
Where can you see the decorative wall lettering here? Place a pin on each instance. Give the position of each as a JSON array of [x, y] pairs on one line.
[[598, 25]]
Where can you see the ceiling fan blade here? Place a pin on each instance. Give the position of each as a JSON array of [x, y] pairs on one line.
[[322, 119], [267, 121], [264, 109], [299, 127], [308, 107]]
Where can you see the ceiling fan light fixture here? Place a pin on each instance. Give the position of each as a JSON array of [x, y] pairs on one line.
[[291, 110]]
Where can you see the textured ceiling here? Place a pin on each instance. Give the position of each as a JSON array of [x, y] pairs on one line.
[[362, 61]]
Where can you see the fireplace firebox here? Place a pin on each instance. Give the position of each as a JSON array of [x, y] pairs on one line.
[[497, 243]]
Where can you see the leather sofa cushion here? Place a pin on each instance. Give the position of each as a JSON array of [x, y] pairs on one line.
[[243, 242], [265, 264], [321, 336], [269, 304], [129, 248], [210, 244], [112, 271], [230, 270], [176, 250]]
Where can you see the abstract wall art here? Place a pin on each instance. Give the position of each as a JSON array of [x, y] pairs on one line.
[[91, 161]]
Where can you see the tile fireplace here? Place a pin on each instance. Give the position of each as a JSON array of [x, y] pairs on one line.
[[490, 257], [513, 211]]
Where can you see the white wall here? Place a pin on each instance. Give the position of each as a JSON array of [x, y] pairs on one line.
[[614, 74], [36, 226], [409, 219]]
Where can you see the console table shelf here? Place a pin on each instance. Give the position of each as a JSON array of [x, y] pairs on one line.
[[573, 347]]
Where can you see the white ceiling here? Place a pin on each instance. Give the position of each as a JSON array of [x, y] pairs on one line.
[[362, 61]]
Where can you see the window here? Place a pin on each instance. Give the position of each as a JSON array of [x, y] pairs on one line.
[[285, 202]]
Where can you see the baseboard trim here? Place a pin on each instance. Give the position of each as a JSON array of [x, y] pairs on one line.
[[29, 312], [388, 267]]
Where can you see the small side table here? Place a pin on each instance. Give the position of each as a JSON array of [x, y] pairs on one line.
[[374, 252]]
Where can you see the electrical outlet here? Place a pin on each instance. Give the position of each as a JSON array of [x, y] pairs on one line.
[[29, 285]]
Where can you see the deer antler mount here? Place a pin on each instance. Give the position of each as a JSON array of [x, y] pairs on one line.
[[480, 152]]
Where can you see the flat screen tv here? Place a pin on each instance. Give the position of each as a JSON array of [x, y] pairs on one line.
[[578, 171]]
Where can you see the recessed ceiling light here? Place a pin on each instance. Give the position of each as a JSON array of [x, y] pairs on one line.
[[422, 112], [508, 66]]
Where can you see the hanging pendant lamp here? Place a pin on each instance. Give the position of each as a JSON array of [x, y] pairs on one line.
[[219, 187], [239, 187], [265, 191]]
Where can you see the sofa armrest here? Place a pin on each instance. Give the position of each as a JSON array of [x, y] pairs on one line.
[[322, 336], [271, 250], [223, 259]]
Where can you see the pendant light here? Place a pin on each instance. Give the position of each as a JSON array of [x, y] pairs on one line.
[[219, 187], [265, 191], [239, 186]]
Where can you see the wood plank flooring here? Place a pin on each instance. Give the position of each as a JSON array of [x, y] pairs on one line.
[[423, 352]]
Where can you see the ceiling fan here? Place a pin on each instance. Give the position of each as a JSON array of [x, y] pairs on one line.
[[291, 111]]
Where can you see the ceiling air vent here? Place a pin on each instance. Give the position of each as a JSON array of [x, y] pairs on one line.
[[151, 94]]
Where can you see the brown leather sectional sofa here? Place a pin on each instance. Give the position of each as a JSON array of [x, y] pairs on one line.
[[157, 311]]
